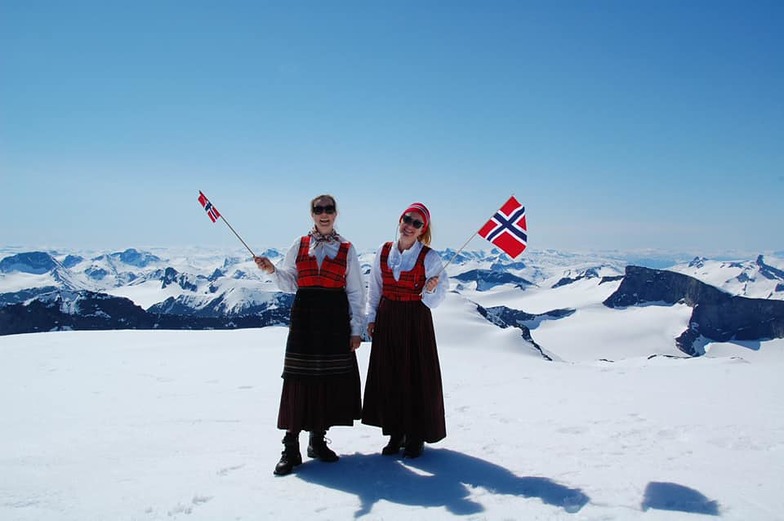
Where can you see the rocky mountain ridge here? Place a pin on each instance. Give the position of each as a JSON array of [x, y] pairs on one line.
[[133, 289], [717, 315]]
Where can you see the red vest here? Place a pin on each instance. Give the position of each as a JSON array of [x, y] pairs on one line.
[[411, 283], [332, 273]]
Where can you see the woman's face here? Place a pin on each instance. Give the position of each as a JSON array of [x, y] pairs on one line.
[[324, 214], [412, 225]]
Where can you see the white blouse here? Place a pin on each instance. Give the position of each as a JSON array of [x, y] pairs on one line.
[[404, 261], [285, 276]]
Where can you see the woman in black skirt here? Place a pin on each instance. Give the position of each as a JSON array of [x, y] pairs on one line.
[[403, 392], [321, 386]]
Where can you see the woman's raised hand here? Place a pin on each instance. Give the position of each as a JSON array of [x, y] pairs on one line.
[[264, 264]]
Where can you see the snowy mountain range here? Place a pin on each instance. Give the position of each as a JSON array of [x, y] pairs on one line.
[[543, 292]]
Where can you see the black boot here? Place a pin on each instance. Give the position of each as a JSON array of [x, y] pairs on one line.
[[414, 447], [396, 441], [290, 457], [317, 448]]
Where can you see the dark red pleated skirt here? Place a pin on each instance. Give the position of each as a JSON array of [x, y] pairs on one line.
[[403, 392], [321, 399]]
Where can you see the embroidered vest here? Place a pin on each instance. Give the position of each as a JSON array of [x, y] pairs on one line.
[[411, 283], [332, 273]]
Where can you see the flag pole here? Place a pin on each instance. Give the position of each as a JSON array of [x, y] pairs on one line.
[[238, 235], [455, 254], [208, 206], [450, 260]]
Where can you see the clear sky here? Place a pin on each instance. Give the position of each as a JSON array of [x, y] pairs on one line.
[[619, 124]]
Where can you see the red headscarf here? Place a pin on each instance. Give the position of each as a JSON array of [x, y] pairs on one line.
[[422, 210]]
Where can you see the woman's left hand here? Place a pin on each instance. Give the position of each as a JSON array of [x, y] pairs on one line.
[[431, 284], [356, 341]]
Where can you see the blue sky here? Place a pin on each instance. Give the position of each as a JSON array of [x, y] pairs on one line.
[[619, 124]]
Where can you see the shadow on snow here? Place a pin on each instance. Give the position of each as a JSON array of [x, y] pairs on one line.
[[440, 477], [671, 496]]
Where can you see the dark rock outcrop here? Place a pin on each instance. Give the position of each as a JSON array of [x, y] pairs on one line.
[[72, 260], [87, 310], [717, 315], [504, 317], [488, 279], [34, 262], [183, 280], [134, 257], [768, 271], [279, 307], [590, 273], [64, 310], [24, 295]]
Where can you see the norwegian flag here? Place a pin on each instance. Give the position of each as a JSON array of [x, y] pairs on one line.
[[507, 229], [212, 212]]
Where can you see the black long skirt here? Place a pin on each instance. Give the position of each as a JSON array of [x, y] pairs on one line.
[[321, 386], [403, 392]]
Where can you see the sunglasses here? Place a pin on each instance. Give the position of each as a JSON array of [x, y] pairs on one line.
[[416, 223], [329, 209]]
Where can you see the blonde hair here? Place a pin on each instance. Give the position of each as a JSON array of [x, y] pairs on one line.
[[426, 236]]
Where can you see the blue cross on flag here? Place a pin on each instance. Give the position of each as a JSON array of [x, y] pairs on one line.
[[508, 229]]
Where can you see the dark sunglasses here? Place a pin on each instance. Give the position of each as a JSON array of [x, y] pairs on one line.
[[318, 209], [416, 223]]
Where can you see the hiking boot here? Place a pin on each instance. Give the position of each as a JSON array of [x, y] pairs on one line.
[[396, 441], [317, 448], [290, 457], [414, 447]]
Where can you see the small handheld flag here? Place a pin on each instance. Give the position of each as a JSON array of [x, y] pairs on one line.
[[508, 229], [212, 212], [214, 215]]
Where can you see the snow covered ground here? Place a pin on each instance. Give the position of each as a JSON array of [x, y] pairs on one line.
[[162, 425]]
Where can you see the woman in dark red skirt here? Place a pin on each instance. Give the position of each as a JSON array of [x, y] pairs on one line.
[[321, 386], [403, 392]]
